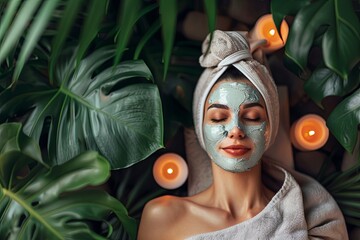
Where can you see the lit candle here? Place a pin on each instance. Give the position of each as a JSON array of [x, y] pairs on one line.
[[265, 29], [170, 171], [309, 133]]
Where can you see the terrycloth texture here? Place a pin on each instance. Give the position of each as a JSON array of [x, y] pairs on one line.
[[226, 49], [301, 209]]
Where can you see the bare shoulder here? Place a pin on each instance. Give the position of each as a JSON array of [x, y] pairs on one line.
[[160, 216]]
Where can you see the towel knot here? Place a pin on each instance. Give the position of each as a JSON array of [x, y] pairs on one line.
[[226, 48]]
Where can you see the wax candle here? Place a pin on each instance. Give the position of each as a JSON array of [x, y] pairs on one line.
[[265, 29], [309, 132], [170, 171]]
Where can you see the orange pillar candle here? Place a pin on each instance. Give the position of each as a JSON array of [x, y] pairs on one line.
[[265, 29], [309, 133], [170, 171]]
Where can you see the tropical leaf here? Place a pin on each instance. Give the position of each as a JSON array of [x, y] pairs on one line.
[[183, 75], [134, 187], [33, 35], [168, 16], [11, 33], [176, 91], [210, 6], [280, 10], [65, 24], [17, 22], [344, 187], [41, 203], [323, 82], [344, 120], [150, 33], [92, 23], [13, 139], [110, 111], [29, 19], [8, 15], [340, 41], [128, 18]]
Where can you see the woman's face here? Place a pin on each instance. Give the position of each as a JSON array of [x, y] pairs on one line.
[[235, 125]]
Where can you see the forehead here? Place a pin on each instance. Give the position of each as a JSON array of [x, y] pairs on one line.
[[238, 91]]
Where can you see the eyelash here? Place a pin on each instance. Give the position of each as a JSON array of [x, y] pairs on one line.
[[246, 119], [252, 119], [218, 120]]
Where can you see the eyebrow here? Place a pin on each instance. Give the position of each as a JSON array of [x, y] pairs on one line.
[[253, 105], [217, 105]]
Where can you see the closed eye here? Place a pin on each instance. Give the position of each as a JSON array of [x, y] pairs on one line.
[[214, 120], [252, 116], [256, 119]]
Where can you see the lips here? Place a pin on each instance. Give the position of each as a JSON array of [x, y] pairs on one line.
[[236, 150]]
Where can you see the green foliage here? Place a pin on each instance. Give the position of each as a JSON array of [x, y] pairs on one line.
[[323, 83], [129, 12], [168, 15], [134, 190], [110, 111], [9, 39], [344, 120], [149, 34], [18, 15], [64, 28], [13, 139], [90, 101], [92, 24], [41, 203], [89, 18], [344, 187], [334, 25], [177, 90], [340, 39], [33, 35], [279, 9], [210, 7]]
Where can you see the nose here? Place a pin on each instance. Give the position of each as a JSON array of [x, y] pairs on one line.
[[236, 132]]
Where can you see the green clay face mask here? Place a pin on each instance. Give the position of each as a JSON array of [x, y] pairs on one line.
[[234, 95]]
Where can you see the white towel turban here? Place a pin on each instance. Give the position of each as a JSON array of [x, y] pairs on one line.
[[226, 49]]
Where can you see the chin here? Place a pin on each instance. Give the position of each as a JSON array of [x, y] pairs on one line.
[[236, 165]]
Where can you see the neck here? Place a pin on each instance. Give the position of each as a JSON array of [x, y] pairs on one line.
[[241, 194]]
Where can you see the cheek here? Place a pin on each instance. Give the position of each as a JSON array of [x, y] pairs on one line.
[[214, 133], [257, 134]]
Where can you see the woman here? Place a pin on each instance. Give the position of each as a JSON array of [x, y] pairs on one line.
[[236, 119]]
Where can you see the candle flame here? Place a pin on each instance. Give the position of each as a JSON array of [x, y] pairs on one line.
[[170, 170], [311, 133], [272, 32]]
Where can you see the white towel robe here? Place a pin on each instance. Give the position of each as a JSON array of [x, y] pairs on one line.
[[301, 209]]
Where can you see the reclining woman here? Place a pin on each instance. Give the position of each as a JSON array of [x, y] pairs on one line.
[[236, 116]]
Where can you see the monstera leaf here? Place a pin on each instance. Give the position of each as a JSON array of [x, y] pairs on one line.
[[41, 203], [112, 111], [344, 120], [323, 82], [13, 139], [280, 10], [340, 40]]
